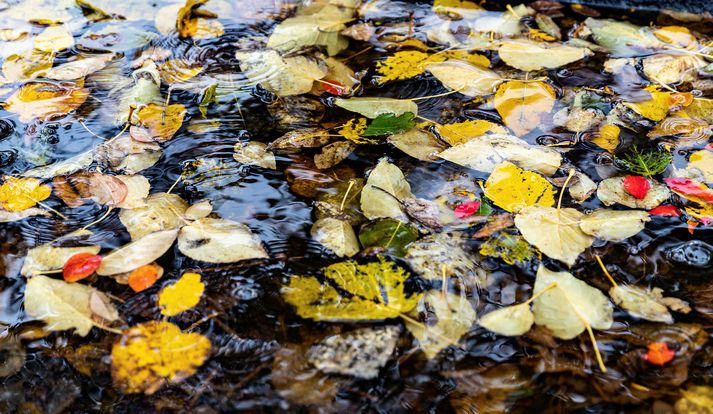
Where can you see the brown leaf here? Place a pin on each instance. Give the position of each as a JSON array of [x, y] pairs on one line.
[[495, 223], [333, 154]]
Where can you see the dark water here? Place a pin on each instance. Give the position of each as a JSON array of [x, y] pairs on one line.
[[257, 362]]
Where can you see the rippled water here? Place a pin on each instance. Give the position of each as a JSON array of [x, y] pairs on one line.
[[258, 341]]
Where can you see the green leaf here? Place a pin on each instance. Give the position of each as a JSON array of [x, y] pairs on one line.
[[390, 234], [646, 163], [388, 124]]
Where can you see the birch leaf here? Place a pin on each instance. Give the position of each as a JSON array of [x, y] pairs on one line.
[[282, 76], [614, 225], [522, 104], [63, 305], [157, 122], [469, 80], [655, 108], [453, 314], [668, 69], [318, 26], [461, 132], [10, 216], [513, 189], [702, 161], [336, 235], [66, 167], [556, 232], [485, 152], [568, 306], [182, 295], [374, 291], [529, 56], [138, 188], [376, 202], [52, 256], [611, 191], [219, 241], [373, 107], [419, 144], [512, 320], [137, 253]]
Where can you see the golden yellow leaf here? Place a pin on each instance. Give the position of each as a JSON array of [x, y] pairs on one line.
[[703, 161], [701, 108], [182, 295], [607, 138], [521, 104], [175, 71], [676, 35], [54, 39], [26, 66], [655, 108], [353, 129], [157, 122], [404, 65], [451, 6], [376, 291], [17, 194], [45, 100], [696, 399], [512, 188], [460, 132], [154, 353], [473, 58]]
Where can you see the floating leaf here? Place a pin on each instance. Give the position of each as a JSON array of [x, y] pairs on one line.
[[649, 304], [376, 291], [508, 247], [78, 69], [17, 194], [419, 144], [403, 65], [45, 100], [390, 234], [469, 80], [691, 189], [303, 138], [282, 76], [385, 187], [53, 256], [388, 124], [556, 232], [64, 306], [10, 216], [702, 161], [607, 137], [513, 189], [219, 241], [182, 295], [623, 39], [614, 225], [80, 266], [333, 154], [461, 132], [353, 131], [454, 315], [254, 153], [337, 235], [153, 354], [666, 69], [443, 255], [157, 122], [162, 211], [522, 104], [637, 186], [54, 39], [611, 191], [655, 108], [137, 253], [659, 354], [696, 399], [529, 56], [144, 277], [512, 320], [373, 107], [646, 163]]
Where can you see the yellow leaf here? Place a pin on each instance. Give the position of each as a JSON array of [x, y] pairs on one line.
[[157, 122], [45, 100], [451, 6], [460, 132], [473, 58], [512, 188], [353, 129], [54, 39], [703, 161], [404, 65], [182, 295], [655, 108], [154, 353], [675, 35], [17, 194], [376, 291], [696, 399], [175, 71], [701, 108], [521, 104], [26, 66], [607, 138]]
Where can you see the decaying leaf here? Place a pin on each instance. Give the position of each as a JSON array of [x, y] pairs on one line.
[[646, 304], [182, 295], [513, 189], [254, 153], [385, 187], [302, 138], [696, 399], [611, 191], [138, 253], [337, 235], [441, 254], [672, 69], [10, 216], [360, 353], [522, 104], [376, 291], [390, 234], [334, 153], [64, 306], [153, 354], [219, 241], [419, 144]]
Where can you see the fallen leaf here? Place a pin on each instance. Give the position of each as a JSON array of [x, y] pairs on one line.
[[385, 187], [54, 39], [162, 211], [484, 153], [390, 234], [614, 225], [556, 232], [17, 194], [26, 66], [10, 216], [702, 160], [388, 124], [667, 69], [302, 138], [469, 80], [52, 256], [373, 107], [465, 210], [66, 167], [336, 235], [656, 108], [441, 254], [611, 191], [61, 305], [659, 354], [219, 241], [334, 153], [78, 69], [508, 247], [128, 155], [282, 76], [522, 104], [155, 353], [695, 399], [375, 291], [453, 314], [45, 100], [637, 186], [155, 122], [529, 56], [691, 189], [144, 277], [138, 253], [254, 153], [174, 71], [567, 308], [360, 353], [138, 188], [512, 320], [665, 211], [419, 144], [623, 39], [643, 303], [182, 295], [80, 266], [607, 137], [461, 132], [513, 189]]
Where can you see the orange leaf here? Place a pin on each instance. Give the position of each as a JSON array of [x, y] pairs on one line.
[[659, 354], [144, 277], [80, 266]]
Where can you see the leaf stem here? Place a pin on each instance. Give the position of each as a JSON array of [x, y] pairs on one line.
[[538, 294], [564, 186], [436, 95], [606, 272], [99, 220], [344, 199]]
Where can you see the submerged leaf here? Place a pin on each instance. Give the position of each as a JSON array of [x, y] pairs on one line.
[[522, 104], [45, 100], [512, 320], [373, 107], [646, 304], [388, 124], [282, 76], [469, 80], [390, 234], [611, 191], [137, 253], [162, 211], [528, 56], [383, 192], [337, 235], [614, 225]]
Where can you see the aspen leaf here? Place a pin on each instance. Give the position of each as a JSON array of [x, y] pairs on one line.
[[63, 305], [668, 69], [45, 100], [373, 107], [10, 216], [175, 71], [184, 294], [702, 161], [254, 153], [521, 104], [138, 188], [403, 65], [433, 254], [162, 211], [337, 235], [54, 39], [528, 55], [157, 122], [375, 291], [219, 241], [137, 253], [461, 132], [646, 304], [53, 256], [385, 187], [419, 144], [282, 76], [571, 305], [614, 225], [512, 188], [17, 194], [27, 66], [453, 314], [623, 39], [153, 354], [512, 320], [607, 137], [655, 108], [78, 69], [353, 131], [469, 80], [556, 232], [701, 108]]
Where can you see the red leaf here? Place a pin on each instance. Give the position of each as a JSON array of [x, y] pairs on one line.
[[665, 211], [333, 87], [467, 209], [659, 354], [690, 188], [637, 186], [144, 277], [81, 265]]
